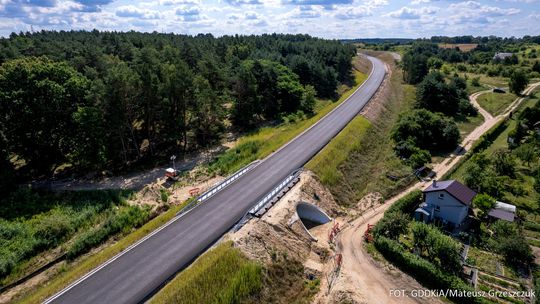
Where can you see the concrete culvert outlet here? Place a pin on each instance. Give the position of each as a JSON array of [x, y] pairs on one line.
[[311, 216]]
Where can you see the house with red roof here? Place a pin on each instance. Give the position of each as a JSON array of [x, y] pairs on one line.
[[447, 202]]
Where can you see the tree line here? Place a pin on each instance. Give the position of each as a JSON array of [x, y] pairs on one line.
[[102, 100]]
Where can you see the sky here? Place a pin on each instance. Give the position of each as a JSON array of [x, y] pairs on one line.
[[321, 18]]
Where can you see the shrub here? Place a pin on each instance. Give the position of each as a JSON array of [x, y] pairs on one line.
[[419, 159], [392, 225], [437, 247], [475, 81], [484, 202], [406, 204], [232, 160], [427, 130], [164, 195], [423, 271], [123, 220]]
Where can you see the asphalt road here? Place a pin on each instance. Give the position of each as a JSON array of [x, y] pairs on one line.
[[133, 275]]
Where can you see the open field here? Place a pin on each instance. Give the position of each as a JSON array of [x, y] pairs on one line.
[[264, 141], [496, 103], [494, 81]]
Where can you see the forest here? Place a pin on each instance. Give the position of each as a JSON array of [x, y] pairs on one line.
[[95, 100]]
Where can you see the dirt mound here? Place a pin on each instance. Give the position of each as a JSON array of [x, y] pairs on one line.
[[280, 230]]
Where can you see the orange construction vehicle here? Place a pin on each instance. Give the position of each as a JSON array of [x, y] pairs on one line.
[[368, 236]]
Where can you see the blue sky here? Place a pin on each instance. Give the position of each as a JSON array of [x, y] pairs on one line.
[[321, 18]]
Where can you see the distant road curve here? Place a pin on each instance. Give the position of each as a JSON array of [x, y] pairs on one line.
[[138, 271]]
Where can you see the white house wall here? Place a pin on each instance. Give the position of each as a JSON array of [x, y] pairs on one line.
[[451, 209]]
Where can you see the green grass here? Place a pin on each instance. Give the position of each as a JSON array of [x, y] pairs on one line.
[[468, 124], [225, 275], [497, 81], [72, 271], [325, 164], [266, 140], [488, 263], [222, 275], [535, 243], [496, 103], [36, 227], [366, 168], [499, 143], [500, 282]]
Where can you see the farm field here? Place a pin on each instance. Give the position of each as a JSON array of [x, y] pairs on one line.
[[464, 47]]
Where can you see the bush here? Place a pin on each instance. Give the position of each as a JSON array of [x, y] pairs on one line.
[[86, 241], [419, 159], [484, 202], [124, 220], [392, 225], [518, 81], [164, 195], [475, 81], [233, 159], [427, 130], [406, 204], [423, 271], [437, 247]]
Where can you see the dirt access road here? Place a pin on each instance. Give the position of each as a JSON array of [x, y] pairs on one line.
[[359, 271]]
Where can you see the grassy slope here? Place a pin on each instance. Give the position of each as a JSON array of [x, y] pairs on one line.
[[496, 103], [365, 166], [326, 163], [222, 275], [71, 272], [225, 275], [39, 226], [267, 140]]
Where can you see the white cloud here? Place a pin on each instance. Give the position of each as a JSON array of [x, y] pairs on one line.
[[130, 11], [413, 13], [353, 12]]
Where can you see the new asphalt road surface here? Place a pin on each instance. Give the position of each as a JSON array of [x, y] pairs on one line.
[[137, 272]]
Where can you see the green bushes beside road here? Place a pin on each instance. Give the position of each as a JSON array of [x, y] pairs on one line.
[[33, 223], [425, 272]]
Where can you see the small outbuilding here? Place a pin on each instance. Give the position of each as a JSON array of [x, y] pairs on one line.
[[447, 202], [503, 211], [502, 56]]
